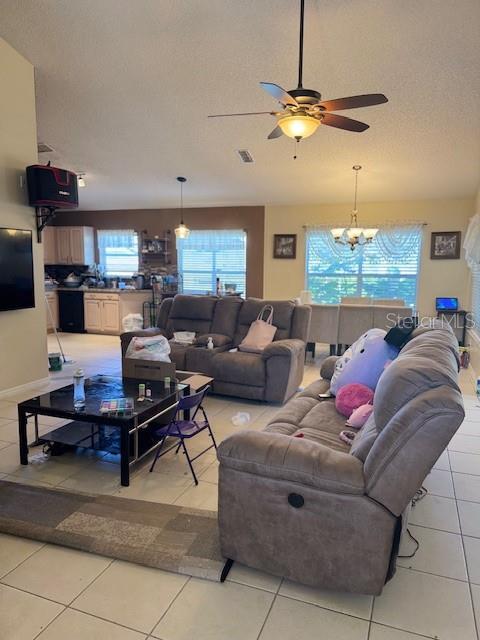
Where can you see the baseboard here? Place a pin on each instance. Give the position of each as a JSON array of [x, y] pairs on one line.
[[24, 387]]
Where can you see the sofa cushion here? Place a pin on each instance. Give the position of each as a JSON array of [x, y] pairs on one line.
[[191, 313], [315, 388], [200, 359], [282, 317], [317, 420], [218, 340], [225, 316], [246, 368]]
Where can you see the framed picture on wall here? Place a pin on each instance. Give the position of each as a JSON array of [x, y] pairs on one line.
[[285, 246], [445, 245]]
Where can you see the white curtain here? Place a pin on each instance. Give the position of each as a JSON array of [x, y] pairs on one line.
[[471, 243], [396, 243]]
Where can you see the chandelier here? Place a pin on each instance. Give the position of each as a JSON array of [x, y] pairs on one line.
[[354, 234], [182, 231]]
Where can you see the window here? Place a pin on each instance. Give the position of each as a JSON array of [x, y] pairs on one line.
[[386, 268], [118, 252], [476, 298], [207, 255]]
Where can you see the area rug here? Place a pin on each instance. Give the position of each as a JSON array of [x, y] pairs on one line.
[[163, 536]]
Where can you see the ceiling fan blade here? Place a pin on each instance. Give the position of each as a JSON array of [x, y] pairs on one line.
[[276, 133], [249, 113], [354, 102], [341, 122], [279, 94]]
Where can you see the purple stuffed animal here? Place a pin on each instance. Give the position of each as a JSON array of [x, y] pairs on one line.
[[369, 356]]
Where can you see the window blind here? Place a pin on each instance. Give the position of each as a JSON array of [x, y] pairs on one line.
[[386, 268], [118, 252], [207, 255]]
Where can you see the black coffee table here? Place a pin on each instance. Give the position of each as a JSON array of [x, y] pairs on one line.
[[132, 436]]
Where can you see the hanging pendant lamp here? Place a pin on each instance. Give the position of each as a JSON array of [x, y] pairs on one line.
[[354, 234], [182, 231]]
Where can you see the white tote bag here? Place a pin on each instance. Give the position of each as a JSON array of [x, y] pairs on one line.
[[261, 332]]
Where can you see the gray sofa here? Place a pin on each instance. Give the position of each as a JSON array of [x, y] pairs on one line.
[[310, 509], [272, 376]]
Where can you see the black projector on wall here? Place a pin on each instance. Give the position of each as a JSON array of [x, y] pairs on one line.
[[51, 187]]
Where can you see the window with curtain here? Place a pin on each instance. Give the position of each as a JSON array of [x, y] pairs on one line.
[[476, 298], [386, 268], [471, 244], [118, 252], [207, 255]]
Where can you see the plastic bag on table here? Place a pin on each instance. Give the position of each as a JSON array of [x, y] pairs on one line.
[[132, 322]]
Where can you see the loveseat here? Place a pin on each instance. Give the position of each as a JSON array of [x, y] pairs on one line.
[[312, 510], [272, 376]]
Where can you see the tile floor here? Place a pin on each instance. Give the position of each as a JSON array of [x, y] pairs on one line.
[[434, 595]]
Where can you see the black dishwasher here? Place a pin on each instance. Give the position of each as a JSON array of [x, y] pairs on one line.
[[71, 317]]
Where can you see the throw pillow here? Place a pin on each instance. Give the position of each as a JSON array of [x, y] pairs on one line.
[[367, 364], [341, 362], [352, 396]]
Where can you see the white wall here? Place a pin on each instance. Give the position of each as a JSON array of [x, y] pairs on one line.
[[286, 278], [23, 349]]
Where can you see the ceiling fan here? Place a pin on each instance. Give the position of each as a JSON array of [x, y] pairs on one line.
[[303, 110]]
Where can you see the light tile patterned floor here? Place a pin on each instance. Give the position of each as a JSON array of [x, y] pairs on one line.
[[52, 593]]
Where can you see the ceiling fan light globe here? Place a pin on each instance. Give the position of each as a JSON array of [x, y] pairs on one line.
[[298, 126], [182, 231]]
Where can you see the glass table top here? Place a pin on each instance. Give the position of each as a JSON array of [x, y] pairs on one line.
[[101, 387]]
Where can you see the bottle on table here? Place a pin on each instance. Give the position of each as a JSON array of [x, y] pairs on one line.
[[79, 389]]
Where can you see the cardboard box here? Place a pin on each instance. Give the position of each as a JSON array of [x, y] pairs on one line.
[[148, 369]]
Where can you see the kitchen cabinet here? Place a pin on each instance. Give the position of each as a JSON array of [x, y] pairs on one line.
[[75, 245], [111, 316], [49, 241], [102, 313], [51, 298], [93, 315]]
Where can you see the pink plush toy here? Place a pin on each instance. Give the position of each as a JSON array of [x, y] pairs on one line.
[[352, 396], [360, 416]]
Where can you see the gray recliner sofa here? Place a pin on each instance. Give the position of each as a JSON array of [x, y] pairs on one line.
[[308, 508], [272, 376]]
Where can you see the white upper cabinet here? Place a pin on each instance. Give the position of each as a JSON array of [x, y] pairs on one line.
[[74, 245]]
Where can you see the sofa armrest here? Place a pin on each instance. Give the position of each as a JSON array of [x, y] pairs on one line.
[[289, 347], [127, 336], [219, 340], [327, 368], [274, 455]]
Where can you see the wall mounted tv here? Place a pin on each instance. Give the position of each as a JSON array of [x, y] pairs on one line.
[[16, 270]]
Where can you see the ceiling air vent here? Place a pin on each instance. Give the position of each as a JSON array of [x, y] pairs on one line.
[[245, 155], [44, 148]]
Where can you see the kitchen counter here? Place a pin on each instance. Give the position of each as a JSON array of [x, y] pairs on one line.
[[103, 290]]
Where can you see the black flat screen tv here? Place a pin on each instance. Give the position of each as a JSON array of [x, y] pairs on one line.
[[16, 270]]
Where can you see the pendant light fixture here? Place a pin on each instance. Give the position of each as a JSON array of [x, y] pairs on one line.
[[354, 234], [182, 231], [81, 180]]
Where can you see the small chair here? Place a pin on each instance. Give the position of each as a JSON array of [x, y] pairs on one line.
[[185, 429]]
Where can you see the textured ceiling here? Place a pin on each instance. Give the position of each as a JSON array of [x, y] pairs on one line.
[[124, 88]]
